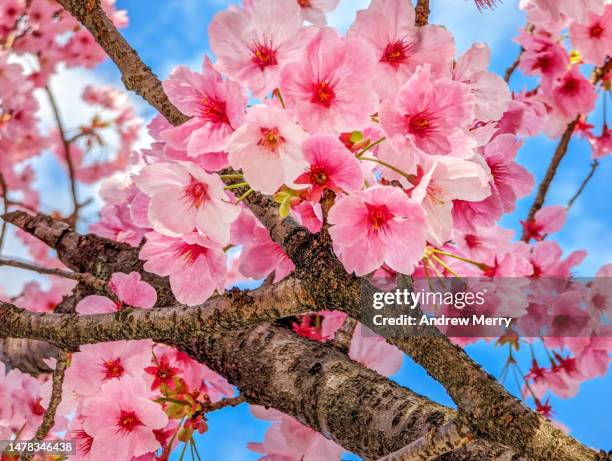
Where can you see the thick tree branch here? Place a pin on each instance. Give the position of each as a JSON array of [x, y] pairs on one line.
[[26, 355], [173, 324], [441, 440]]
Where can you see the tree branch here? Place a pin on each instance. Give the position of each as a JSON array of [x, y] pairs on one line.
[[344, 335], [4, 190], [586, 180], [85, 278], [54, 401], [560, 151], [169, 325], [441, 440], [67, 155], [421, 13]]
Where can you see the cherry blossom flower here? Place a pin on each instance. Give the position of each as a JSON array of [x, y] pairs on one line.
[[216, 106], [572, 94], [443, 180], [427, 113], [542, 56], [376, 226], [575, 9], [96, 364], [546, 221], [330, 88], [185, 197], [314, 11], [594, 38], [121, 419], [268, 149], [332, 166], [194, 263], [260, 256], [163, 372], [491, 93], [253, 46], [400, 47], [128, 288]]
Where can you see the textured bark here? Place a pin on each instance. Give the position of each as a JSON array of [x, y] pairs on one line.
[[26, 355], [174, 324]]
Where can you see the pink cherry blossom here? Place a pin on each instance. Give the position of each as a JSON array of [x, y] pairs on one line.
[[594, 38], [426, 113], [573, 94], [185, 197], [330, 87], [194, 263], [546, 260], [314, 11], [121, 419], [600, 292], [380, 225], [374, 352], [268, 149], [289, 440], [253, 46], [491, 93], [216, 106], [130, 291], [260, 256], [542, 56], [444, 180], [574, 9], [332, 166], [400, 47], [96, 364], [547, 220]]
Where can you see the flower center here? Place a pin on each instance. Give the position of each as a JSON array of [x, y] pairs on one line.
[[37, 408], [190, 252], [599, 301], [318, 176], [323, 93], [213, 110], [304, 3], [570, 86], [472, 241], [596, 31], [396, 52], [421, 123], [196, 193], [270, 139], [378, 217], [263, 55], [112, 369], [127, 422]]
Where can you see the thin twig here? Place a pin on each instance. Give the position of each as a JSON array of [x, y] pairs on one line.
[[4, 188], [598, 74], [56, 397], [88, 279], [421, 11], [510, 70], [344, 335], [230, 402], [586, 180], [67, 154]]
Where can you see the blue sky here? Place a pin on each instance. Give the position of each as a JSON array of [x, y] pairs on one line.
[[175, 32]]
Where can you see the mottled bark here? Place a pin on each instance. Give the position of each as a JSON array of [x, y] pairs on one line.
[[179, 324]]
